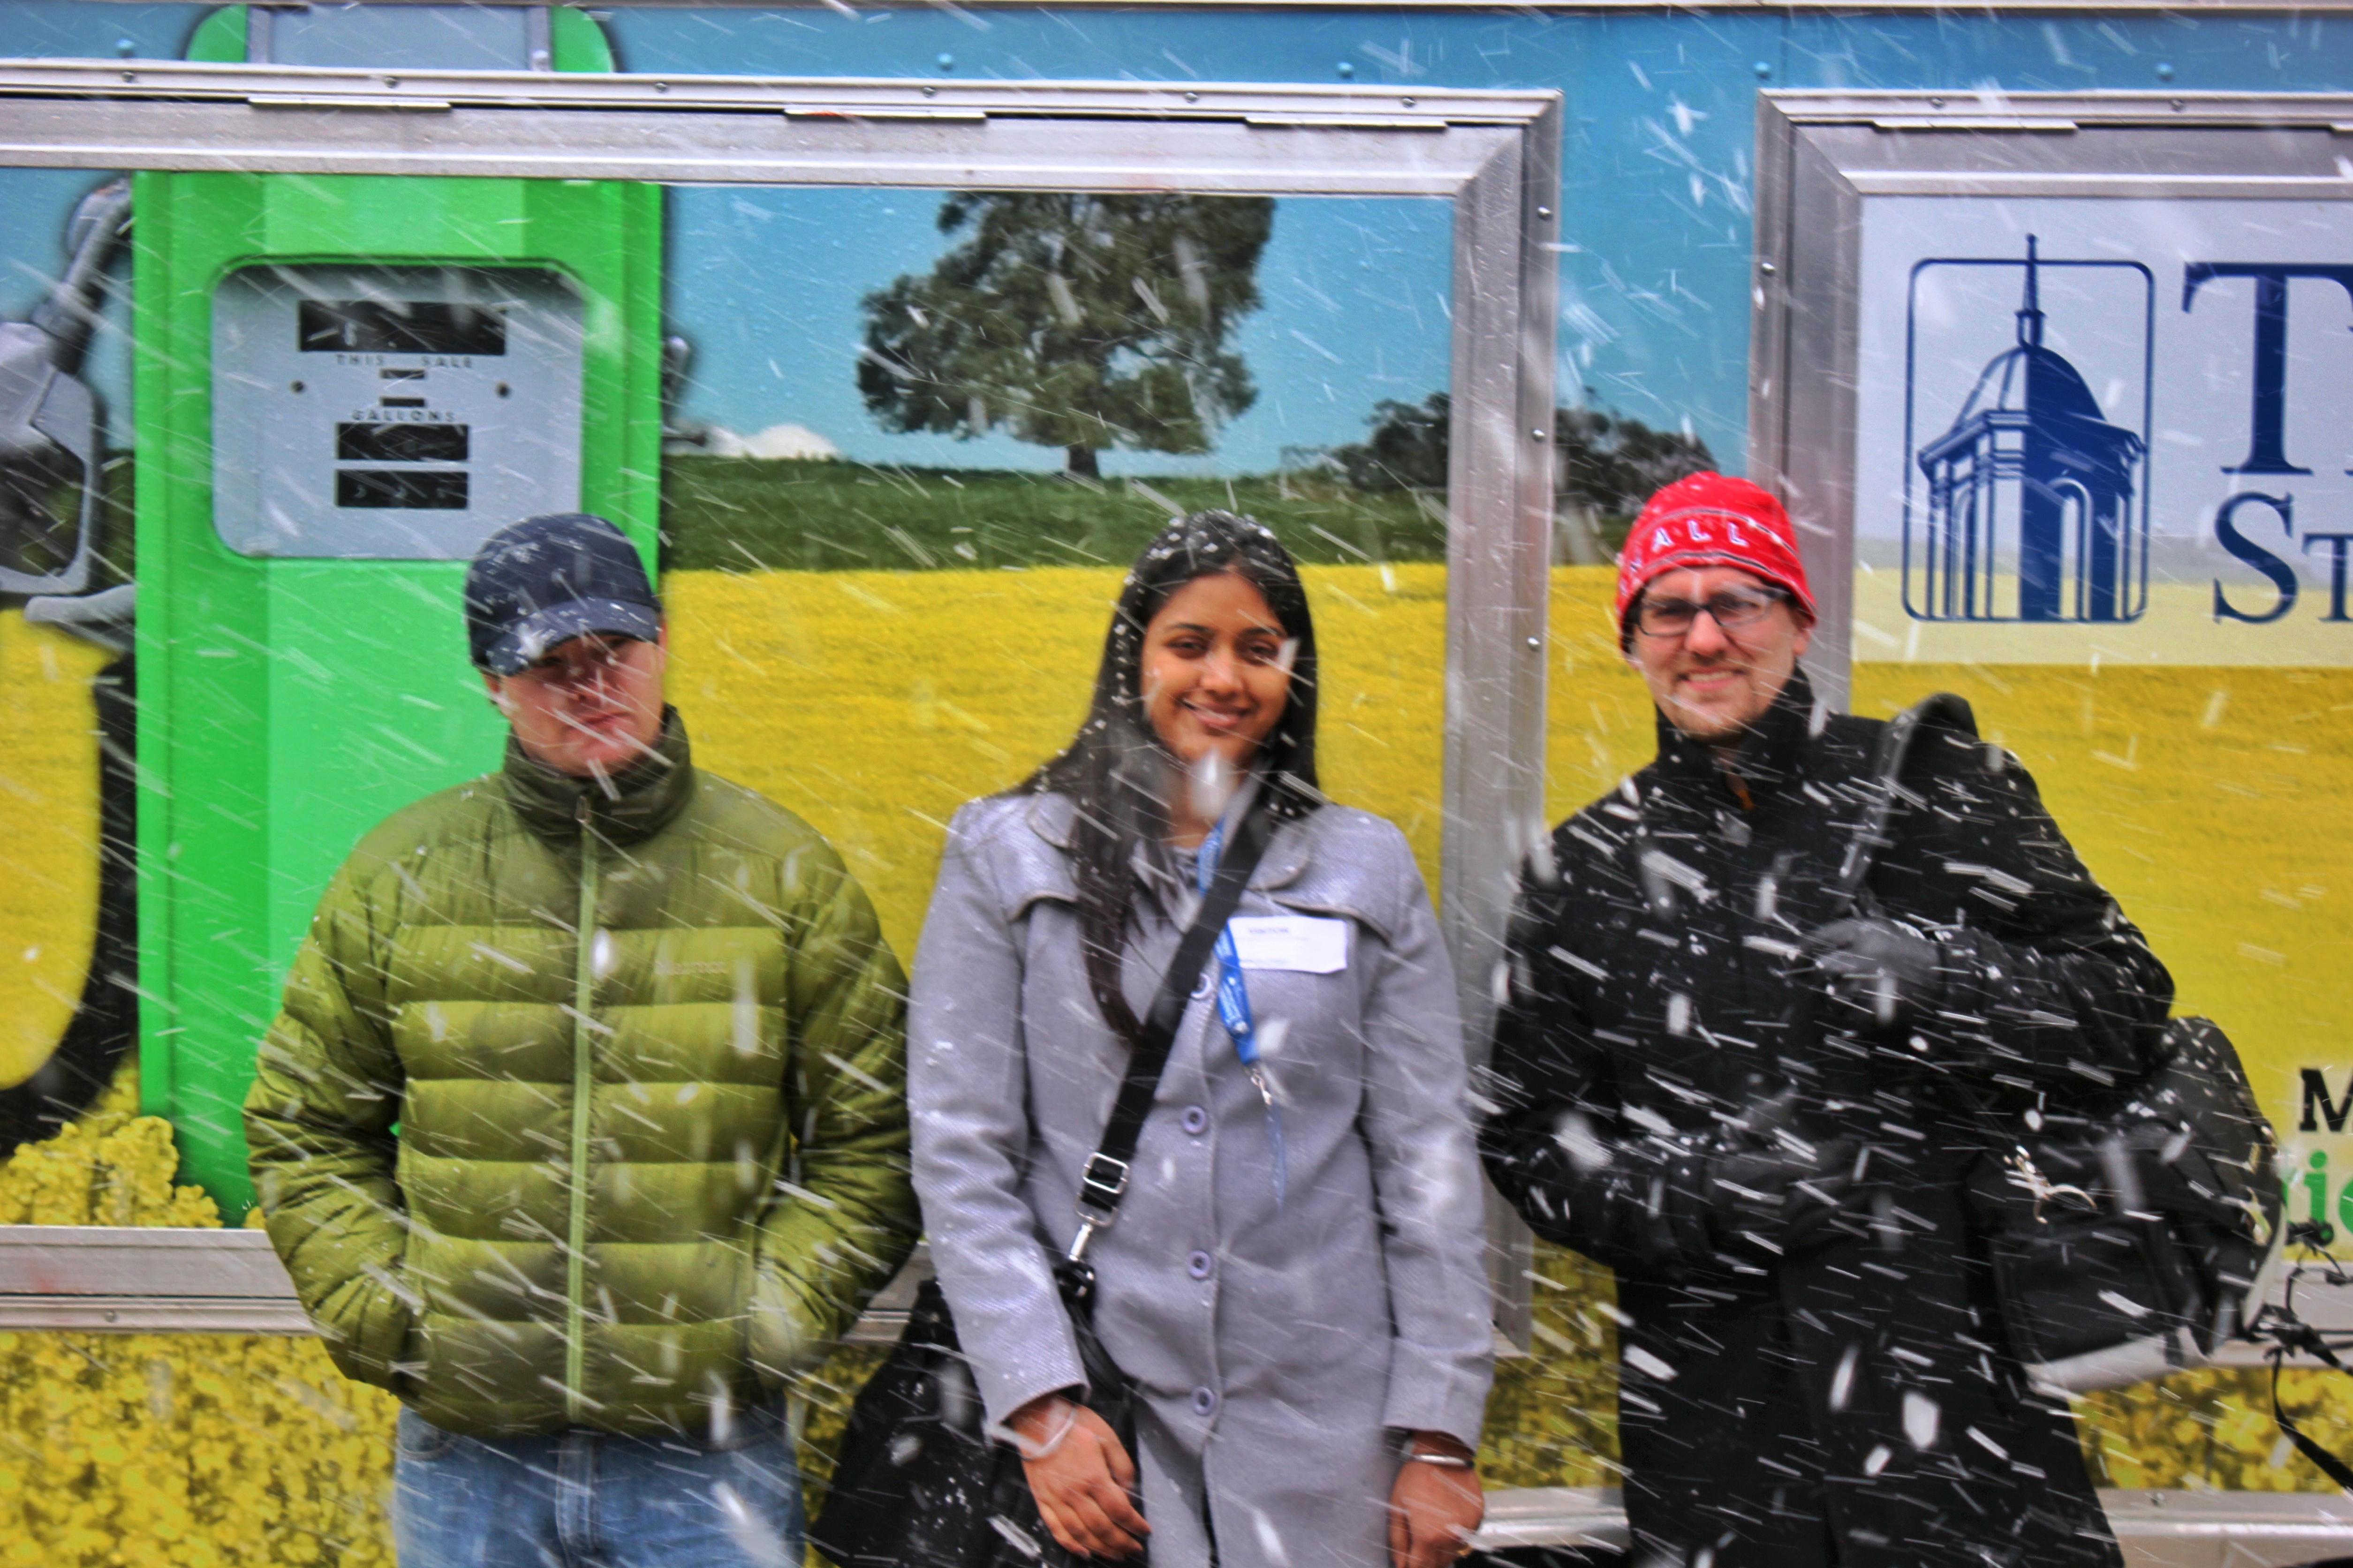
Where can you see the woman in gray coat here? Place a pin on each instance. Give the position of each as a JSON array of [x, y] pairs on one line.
[[1295, 1280]]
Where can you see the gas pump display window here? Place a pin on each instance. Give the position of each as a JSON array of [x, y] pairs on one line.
[[391, 412], [401, 327], [372, 443]]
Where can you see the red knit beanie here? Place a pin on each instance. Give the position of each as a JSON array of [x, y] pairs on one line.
[[1708, 520]]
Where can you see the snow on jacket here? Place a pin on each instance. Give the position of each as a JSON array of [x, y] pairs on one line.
[[1278, 1347], [635, 1180], [1862, 1394]]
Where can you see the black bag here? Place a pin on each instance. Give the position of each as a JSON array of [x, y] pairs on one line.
[[2125, 1240], [2127, 1230], [919, 1482]]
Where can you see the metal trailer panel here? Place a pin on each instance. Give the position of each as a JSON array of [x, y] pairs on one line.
[[1495, 154]]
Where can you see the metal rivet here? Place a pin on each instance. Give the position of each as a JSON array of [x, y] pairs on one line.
[[1536, 642], [1192, 98], [1767, 268], [1762, 71], [1545, 213], [113, 1316], [931, 92], [1407, 101], [1935, 103], [2177, 106], [661, 87], [2164, 70], [1347, 70], [131, 76], [392, 82], [1537, 435]]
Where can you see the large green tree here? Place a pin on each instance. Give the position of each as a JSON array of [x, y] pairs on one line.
[[1078, 321]]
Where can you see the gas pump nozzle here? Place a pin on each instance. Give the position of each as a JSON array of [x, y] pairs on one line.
[[49, 440]]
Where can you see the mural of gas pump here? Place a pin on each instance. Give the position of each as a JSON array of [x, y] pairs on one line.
[[340, 386], [53, 567]]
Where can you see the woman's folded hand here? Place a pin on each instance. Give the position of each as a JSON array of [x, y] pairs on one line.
[[1084, 1479]]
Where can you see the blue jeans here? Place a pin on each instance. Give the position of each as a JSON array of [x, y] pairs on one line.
[[589, 1499]]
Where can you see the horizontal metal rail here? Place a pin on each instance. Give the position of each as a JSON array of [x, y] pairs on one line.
[[139, 1280], [2157, 1529], [129, 1280], [434, 91]]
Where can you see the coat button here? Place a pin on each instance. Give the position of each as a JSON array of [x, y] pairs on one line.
[[1205, 1400], [1195, 1120], [1198, 1266]]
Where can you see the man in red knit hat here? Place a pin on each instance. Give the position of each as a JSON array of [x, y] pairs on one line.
[[1714, 1077], [1722, 545]]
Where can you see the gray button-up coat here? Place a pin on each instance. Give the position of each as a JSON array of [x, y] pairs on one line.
[[1278, 1346]]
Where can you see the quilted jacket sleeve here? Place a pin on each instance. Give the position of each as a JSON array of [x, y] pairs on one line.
[[318, 1121], [848, 1219]]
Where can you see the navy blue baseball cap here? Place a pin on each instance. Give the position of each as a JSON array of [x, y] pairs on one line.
[[548, 579]]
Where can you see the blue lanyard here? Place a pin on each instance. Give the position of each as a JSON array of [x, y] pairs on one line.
[[1234, 1008]]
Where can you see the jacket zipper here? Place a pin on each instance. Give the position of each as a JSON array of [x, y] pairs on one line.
[[584, 992]]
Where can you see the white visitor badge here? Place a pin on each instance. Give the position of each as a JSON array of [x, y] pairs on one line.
[[1298, 943]]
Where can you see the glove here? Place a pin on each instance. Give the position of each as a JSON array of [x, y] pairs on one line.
[[1788, 1198], [1882, 972]]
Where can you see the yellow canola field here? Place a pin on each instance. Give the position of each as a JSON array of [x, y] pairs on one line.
[[874, 704], [49, 835]]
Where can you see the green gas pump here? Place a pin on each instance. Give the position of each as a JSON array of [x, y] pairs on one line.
[[342, 385]]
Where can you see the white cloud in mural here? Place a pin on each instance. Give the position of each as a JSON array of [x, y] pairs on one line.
[[776, 441]]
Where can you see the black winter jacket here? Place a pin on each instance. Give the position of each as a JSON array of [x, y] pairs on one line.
[[1856, 1405]]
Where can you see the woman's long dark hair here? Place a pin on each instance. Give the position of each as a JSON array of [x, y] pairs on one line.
[[1116, 771]]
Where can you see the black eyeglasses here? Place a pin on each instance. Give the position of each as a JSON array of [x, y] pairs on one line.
[[1732, 610]]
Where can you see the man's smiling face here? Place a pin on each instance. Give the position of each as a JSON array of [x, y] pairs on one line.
[[1713, 682]]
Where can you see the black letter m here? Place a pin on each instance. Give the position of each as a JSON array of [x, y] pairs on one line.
[[2316, 1092]]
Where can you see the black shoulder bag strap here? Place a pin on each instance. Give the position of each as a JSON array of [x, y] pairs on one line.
[[1104, 1182], [1947, 711], [1886, 772]]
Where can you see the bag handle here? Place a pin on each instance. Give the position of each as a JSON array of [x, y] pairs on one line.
[[1104, 1181]]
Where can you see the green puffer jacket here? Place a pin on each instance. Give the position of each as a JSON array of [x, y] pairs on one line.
[[526, 1183]]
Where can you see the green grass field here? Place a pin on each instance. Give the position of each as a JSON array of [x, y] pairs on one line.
[[748, 514]]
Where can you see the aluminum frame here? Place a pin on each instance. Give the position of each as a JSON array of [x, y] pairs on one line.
[[1820, 155], [1496, 155]]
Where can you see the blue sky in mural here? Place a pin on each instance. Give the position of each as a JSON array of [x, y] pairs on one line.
[[765, 283]]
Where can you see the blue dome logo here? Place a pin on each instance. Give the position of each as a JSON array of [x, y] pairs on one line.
[[2033, 510]]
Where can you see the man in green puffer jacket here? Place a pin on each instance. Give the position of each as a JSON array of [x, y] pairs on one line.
[[584, 1123]]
